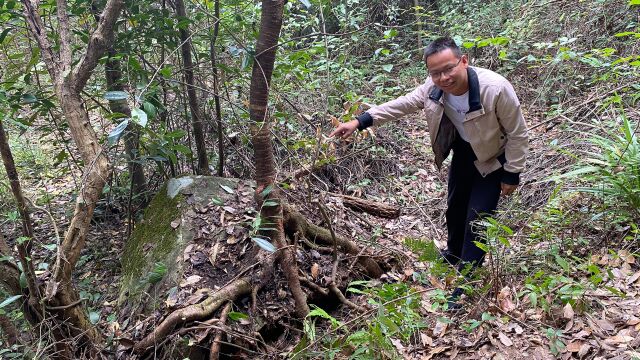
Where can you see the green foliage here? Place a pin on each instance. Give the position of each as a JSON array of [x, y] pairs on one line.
[[396, 316], [612, 170]]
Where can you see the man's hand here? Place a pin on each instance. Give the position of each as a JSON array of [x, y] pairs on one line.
[[344, 130], [506, 189]]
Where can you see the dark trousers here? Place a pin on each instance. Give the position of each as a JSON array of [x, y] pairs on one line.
[[470, 197]]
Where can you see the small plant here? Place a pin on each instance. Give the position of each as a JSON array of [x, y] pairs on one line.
[[611, 170]]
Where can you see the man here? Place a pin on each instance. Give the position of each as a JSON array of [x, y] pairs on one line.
[[476, 113]]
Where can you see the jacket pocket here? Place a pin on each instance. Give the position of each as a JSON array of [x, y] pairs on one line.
[[485, 136]]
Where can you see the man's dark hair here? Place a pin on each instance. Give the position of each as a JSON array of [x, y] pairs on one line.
[[441, 44]]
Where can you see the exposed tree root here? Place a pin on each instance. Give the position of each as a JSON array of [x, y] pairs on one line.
[[294, 222], [199, 311], [215, 346]]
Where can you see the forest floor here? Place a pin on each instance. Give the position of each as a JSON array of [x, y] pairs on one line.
[[499, 322]]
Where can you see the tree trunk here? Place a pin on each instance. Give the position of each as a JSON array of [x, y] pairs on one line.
[[197, 117], [24, 246], [113, 75], [270, 25], [69, 78], [216, 88]]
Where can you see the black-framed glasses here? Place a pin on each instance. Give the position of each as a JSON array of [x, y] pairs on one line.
[[446, 71]]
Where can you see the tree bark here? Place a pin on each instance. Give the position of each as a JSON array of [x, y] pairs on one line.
[[216, 88], [69, 80], [24, 246], [270, 25], [197, 117]]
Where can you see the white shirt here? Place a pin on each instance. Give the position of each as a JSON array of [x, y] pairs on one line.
[[455, 107]]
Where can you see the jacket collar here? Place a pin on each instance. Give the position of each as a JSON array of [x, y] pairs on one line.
[[474, 91]]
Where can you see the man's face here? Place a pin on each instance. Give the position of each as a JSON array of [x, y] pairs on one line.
[[448, 72]]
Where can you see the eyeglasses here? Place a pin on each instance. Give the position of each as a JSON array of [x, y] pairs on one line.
[[447, 71]]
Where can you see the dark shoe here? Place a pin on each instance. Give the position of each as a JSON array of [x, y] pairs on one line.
[[449, 258], [453, 301]]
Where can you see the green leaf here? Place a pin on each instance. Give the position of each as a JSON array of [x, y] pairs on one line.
[[306, 3], [266, 191], [94, 317], [9, 300], [28, 99], [165, 71], [139, 116], [116, 133], [270, 203], [235, 316], [50, 247], [318, 312], [217, 201], [182, 149], [158, 272], [22, 239], [634, 2], [533, 297], [23, 280], [387, 67], [4, 34], [562, 262], [149, 108], [264, 244], [116, 95]]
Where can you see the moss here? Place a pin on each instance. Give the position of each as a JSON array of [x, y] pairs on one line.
[[152, 240]]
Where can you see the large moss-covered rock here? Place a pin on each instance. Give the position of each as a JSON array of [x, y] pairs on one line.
[[152, 260]]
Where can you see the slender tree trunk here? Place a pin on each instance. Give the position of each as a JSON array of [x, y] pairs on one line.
[[23, 245], [113, 75], [216, 87], [69, 78], [197, 117], [270, 25]]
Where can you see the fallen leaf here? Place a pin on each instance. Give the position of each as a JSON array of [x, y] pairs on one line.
[[505, 300], [439, 329], [633, 278], [633, 321], [582, 334], [504, 339], [315, 270], [567, 312], [584, 350], [398, 345], [213, 254], [175, 223], [172, 299], [193, 279], [232, 240], [436, 283], [605, 325], [574, 346], [435, 351], [426, 340], [618, 339], [186, 254]]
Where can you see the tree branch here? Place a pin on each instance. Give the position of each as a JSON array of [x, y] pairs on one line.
[[65, 36], [98, 43], [40, 34]]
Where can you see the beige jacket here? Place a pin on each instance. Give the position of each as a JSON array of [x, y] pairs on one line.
[[494, 122]]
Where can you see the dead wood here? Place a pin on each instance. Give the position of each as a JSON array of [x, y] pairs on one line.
[[370, 207], [199, 311], [294, 222]]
